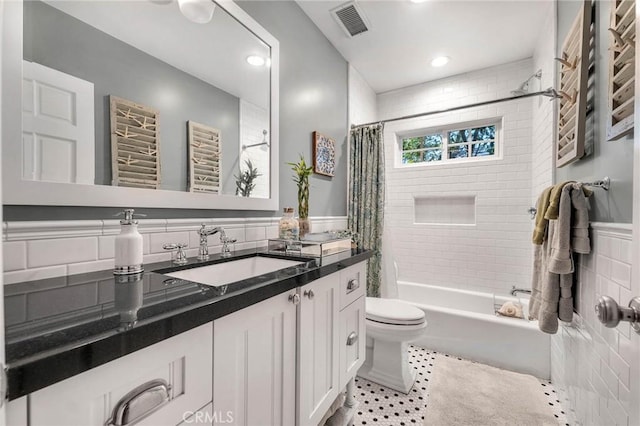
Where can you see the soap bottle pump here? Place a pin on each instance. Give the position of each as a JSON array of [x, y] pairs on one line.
[[128, 247]]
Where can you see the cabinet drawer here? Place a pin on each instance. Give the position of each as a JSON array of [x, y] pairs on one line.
[[352, 344], [183, 362], [353, 283]]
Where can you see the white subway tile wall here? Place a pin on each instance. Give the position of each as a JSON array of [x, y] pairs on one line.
[[590, 364], [38, 250], [496, 253], [543, 111]]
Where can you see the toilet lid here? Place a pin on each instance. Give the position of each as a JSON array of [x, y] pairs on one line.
[[390, 311]]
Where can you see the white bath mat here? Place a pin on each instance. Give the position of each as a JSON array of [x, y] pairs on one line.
[[467, 393]]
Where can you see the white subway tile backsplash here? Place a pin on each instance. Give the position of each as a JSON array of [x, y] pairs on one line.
[[158, 240], [106, 247], [255, 233], [156, 257], [14, 255], [98, 265], [61, 251], [37, 258]]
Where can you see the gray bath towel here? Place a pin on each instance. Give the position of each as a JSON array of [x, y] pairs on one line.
[[545, 293], [580, 242], [561, 261], [551, 297]]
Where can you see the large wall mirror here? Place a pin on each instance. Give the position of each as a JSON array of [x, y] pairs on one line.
[[151, 103]]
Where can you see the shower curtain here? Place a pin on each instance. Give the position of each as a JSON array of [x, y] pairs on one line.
[[366, 197]]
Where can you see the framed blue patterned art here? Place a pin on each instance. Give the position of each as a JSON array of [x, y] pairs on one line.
[[324, 155]]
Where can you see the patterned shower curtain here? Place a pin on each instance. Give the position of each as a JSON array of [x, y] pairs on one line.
[[366, 197]]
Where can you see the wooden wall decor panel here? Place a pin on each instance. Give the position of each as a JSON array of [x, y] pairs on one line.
[[135, 146], [621, 69], [205, 158], [574, 67]]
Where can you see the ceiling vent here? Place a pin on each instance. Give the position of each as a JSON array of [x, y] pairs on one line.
[[350, 18]]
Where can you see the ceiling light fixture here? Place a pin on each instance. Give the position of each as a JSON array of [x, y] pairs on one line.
[[198, 11], [256, 61], [440, 61], [418, 1]]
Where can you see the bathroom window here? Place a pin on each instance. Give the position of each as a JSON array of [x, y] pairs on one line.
[[455, 143]]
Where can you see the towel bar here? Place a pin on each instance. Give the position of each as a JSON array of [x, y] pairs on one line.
[[605, 183]]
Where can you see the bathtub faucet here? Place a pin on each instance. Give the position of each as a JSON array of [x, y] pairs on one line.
[[515, 290]]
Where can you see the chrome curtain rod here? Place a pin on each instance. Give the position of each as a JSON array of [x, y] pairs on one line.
[[550, 92]]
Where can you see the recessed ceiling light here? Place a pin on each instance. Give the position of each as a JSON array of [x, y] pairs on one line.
[[257, 61], [440, 61], [418, 1]]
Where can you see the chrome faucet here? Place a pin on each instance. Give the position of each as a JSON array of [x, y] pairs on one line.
[[515, 290], [204, 232]]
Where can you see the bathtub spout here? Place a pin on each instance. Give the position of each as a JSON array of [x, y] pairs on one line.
[[515, 290]]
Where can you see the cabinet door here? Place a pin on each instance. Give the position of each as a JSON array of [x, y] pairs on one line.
[[254, 364], [352, 340], [88, 399], [318, 372]]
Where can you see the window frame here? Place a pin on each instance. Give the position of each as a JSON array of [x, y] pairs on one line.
[[444, 130]]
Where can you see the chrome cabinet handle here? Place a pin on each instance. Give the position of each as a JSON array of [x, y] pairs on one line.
[[352, 285], [610, 313], [140, 403], [294, 298], [309, 294], [352, 338]]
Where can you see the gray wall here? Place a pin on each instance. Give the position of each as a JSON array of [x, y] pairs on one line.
[[313, 96], [613, 159], [62, 42]]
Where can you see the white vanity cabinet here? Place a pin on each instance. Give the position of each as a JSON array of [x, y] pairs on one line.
[[282, 361], [352, 340], [183, 362], [318, 371], [254, 363]]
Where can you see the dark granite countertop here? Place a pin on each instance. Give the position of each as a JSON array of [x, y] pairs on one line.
[[59, 327]]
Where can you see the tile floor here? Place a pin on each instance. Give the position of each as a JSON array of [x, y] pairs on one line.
[[383, 406]]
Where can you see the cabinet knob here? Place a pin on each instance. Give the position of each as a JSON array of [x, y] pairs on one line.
[[352, 338], [294, 298], [309, 294], [352, 285], [610, 313]]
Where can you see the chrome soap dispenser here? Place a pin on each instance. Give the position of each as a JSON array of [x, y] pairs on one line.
[[128, 250]]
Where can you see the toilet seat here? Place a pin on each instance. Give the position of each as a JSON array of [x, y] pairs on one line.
[[393, 312]]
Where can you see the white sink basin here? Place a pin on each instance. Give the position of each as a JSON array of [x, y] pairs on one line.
[[234, 270]]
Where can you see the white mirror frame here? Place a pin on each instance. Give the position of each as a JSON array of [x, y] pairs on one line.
[[24, 192]]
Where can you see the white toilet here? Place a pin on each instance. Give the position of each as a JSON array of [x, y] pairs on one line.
[[391, 324]]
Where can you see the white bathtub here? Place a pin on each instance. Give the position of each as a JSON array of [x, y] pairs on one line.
[[463, 323]]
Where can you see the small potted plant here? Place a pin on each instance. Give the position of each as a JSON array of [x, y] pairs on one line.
[[301, 178], [245, 181]]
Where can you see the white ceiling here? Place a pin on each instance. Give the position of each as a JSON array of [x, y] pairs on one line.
[[404, 37]]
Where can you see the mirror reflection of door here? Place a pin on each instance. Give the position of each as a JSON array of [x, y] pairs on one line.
[[57, 126]]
